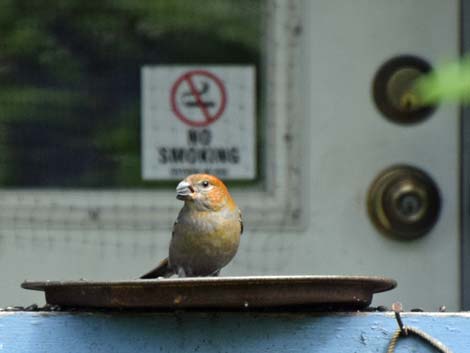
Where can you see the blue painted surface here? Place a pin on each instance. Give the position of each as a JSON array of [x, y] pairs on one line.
[[223, 332]]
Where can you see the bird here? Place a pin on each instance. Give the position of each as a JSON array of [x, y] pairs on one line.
[[206, 233]]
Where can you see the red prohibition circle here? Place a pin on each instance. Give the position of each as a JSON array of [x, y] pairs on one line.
[[187, 77]]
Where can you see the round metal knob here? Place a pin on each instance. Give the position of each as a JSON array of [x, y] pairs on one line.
[[393, 90], [404, 202]]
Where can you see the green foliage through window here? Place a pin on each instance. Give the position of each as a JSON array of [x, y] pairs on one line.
[[70, 80]]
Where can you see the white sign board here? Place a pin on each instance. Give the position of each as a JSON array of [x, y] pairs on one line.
[[198, 119]]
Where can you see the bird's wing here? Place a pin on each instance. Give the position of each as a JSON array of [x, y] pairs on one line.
[[241, 221], [173, 231]]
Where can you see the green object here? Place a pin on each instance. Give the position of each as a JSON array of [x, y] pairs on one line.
[[448, 83]]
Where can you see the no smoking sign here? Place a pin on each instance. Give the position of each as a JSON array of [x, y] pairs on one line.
[[198, 120]]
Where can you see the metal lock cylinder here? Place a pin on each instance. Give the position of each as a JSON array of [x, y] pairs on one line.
[[393, 90], [404, 202]]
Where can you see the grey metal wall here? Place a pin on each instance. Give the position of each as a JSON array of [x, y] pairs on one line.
[[324, 57]]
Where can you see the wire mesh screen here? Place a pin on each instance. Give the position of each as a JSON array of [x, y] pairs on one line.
[[73, 202], [70, 81]]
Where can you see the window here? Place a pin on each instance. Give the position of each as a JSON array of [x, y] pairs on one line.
[[70, 106]]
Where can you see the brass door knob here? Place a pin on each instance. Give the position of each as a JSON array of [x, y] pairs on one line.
[[393, 90], [404, 202]]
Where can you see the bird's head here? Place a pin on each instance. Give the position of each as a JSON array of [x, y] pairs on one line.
[[204, 192]]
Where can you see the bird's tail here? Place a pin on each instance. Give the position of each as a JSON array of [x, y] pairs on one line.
[[162, 270]]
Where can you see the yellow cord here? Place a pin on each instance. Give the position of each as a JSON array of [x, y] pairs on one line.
[[421, 334]]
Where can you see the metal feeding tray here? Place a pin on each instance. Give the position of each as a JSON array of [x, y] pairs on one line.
[[230, 293]]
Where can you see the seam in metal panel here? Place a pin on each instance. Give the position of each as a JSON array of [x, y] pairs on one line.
[[465, 168]]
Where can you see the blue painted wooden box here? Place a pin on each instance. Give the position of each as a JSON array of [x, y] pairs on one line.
[[223, 332]]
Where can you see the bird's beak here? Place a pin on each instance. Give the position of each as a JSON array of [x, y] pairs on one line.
[[184, 191]]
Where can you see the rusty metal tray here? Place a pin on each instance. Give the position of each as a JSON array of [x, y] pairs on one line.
[[230, 293]]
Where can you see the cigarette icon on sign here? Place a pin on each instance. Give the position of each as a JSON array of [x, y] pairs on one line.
[[198, 98]]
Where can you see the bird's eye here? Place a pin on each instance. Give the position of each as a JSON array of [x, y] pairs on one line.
[[205, 183]]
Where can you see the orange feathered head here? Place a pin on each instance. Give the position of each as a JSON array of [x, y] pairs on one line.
[[205, 192]]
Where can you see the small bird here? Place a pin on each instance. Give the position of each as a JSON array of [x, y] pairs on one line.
[[206, 234]]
